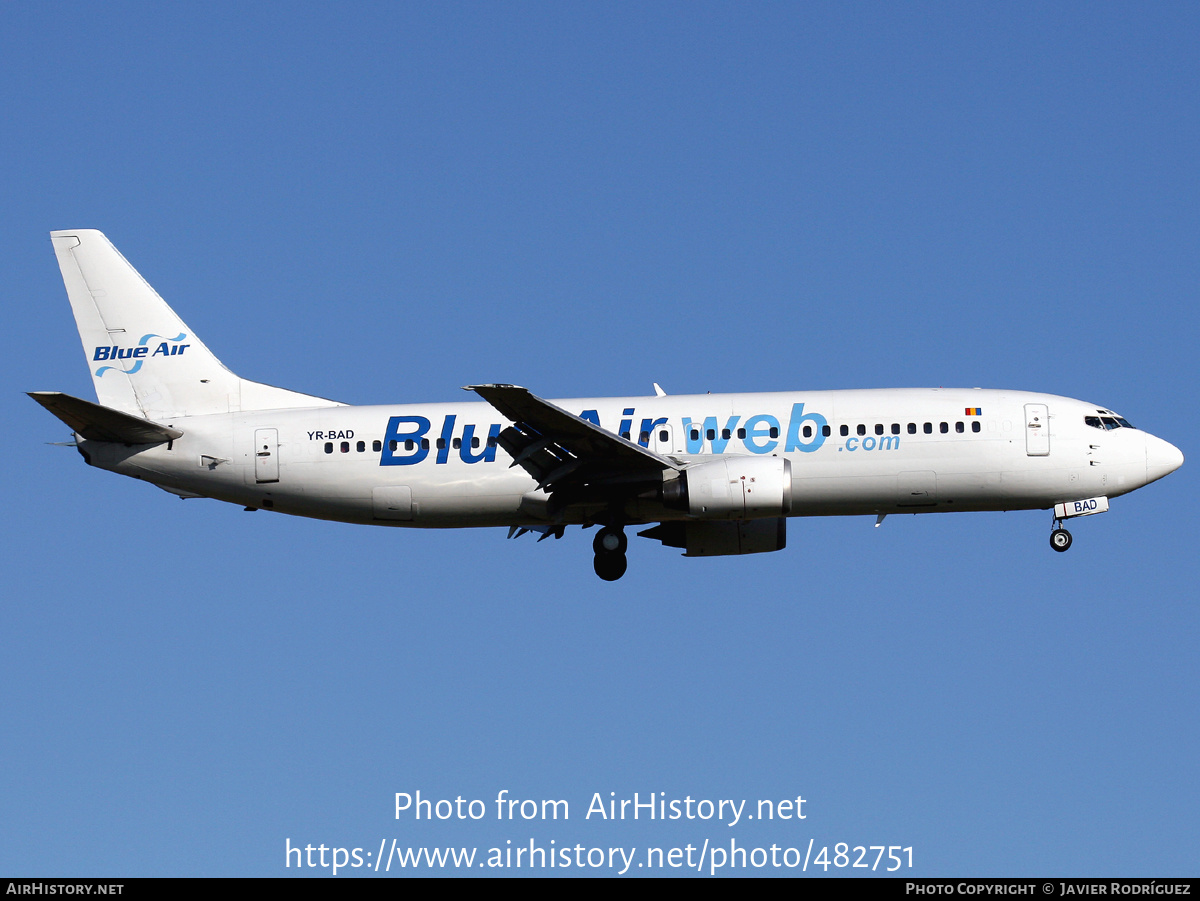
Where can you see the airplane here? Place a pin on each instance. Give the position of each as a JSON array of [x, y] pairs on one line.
[[713, 474]]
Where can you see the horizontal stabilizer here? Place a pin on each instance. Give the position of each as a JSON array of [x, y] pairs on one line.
[[97, 423]]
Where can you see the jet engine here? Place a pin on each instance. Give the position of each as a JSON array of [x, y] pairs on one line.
[[732, 487], [721, 539]]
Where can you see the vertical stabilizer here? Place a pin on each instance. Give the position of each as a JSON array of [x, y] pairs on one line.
[[143, 358]]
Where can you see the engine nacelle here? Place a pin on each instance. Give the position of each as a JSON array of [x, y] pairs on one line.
[[720, 539], [733, 487]]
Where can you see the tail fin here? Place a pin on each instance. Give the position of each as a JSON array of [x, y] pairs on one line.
[[144, 359]]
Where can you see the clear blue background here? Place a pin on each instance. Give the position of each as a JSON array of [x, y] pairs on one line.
[[382, 202]]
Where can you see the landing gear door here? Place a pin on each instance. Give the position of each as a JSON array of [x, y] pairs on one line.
[[266, 455], [1037, 430]]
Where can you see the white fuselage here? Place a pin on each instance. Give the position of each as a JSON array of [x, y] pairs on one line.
[[717, 473], [850, 452]]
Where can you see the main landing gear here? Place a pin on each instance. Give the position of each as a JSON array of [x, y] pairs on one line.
[[609, 545]]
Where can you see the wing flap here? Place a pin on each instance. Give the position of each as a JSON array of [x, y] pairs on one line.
[[97, 423], [558, 448]]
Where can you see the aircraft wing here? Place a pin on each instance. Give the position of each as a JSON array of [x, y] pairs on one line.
[[561, 450]]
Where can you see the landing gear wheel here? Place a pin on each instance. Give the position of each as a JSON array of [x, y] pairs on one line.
[[610, 544], [1060, 539], [610, 541], [610, 566]]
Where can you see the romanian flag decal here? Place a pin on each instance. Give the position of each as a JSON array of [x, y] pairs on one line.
[[974, 411]]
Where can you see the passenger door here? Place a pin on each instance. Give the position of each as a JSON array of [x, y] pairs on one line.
[[266, 455], [1037, 430]]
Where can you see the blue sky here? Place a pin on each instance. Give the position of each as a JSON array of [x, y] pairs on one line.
[[382, 202]]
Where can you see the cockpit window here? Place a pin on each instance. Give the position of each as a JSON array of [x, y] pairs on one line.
[[1112, 421]]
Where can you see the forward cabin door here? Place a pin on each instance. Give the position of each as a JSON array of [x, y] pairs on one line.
[[1037, 430], [266, 455]]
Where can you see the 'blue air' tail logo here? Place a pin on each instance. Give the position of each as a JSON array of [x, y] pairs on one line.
[[139, 353]]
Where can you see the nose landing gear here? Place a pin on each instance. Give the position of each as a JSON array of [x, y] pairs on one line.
[[610, 544], [1060, 539]]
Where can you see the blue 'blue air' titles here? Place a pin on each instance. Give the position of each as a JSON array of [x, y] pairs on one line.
[[139, 353], [406, 443], [403, 444]]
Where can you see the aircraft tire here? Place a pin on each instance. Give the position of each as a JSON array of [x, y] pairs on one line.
[[603, 543], [1060, 540], [610, 567]]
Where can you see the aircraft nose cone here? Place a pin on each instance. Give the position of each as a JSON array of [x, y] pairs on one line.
[[1162, 458]]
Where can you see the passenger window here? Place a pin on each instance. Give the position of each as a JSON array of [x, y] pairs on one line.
[[456, 443], [376, 445], [409, 445], [441, 444], [741, 433], [895, 428], [959, 427], [879, 428], [695, 433], [329, 447], [845, 430], [826, 431], [625, 435], [862, 429], [975, 426], [424, 444], [361, 446], [726, 434], [928, 427], [912, 428], [393, 444], [491, 441], [808, 431], [663, 436], [944, 427], [345, 447], [710, 434], [774, 433], [474, 442]]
